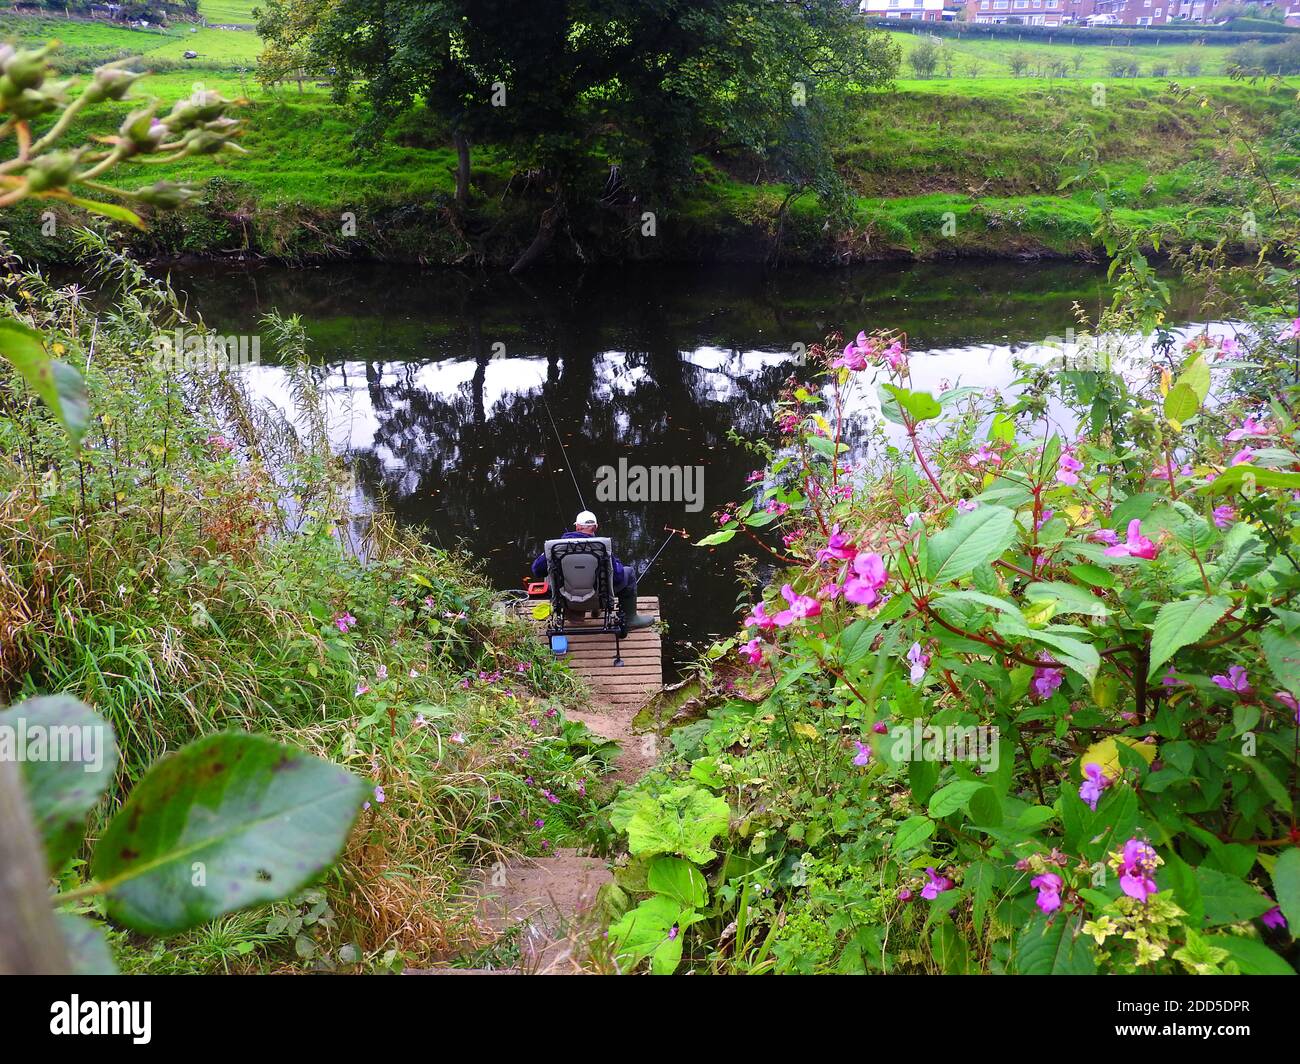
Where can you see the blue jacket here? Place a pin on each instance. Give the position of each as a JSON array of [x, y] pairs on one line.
[[620, 573]]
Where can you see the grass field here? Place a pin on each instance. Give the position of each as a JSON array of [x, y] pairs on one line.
[[988, 149], [228, 12], [981, 58]]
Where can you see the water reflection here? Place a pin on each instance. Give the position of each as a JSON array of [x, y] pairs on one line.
[[439, 384]]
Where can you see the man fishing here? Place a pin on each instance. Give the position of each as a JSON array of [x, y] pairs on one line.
[[585, 527]]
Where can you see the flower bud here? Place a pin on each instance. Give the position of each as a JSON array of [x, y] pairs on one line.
[[29, 104], [202, 142], [52, 171], [111, 83], [142, 132], [27, 69], [165, 195]]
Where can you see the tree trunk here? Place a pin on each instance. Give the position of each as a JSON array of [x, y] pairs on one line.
[[30, 942], [462, 168], [551, 219]]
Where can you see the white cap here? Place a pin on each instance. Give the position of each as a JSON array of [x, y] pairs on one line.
[[586, 518]]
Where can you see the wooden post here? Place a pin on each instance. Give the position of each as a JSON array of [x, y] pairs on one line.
[[30, 942]]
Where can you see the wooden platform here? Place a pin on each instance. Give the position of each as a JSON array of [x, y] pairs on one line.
[[592, 657]]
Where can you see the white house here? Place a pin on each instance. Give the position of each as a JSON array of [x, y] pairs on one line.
[[907, 10]]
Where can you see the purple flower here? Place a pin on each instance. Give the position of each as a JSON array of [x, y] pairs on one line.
[[936, 886], [1236, 680], [1138, 862], [904, 895], [672, 935], [1047, 678], [880, 728], [1289, 700], [1243, 456], [1047, 516], [1094, 783], [864, 754], [380, 797], [1049, 891], [984, 454], [345, 621], [1224, 516], [838, 547], [753, 652], [1274, 919], [920, 662], [965, 506], [759, 618]]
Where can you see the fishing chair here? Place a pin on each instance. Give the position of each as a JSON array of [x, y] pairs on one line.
[[581, 575]]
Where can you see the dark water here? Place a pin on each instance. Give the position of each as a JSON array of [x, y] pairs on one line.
[[436, 383]]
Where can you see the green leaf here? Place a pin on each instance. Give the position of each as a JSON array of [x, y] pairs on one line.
[[228, 821], [922, 406], [1068, 598], [973, 539], [912, 834], [61, 789], [1181, 404], [949, 948], [954, 796], [1183, 622], [1196, 377], [1073, 653], [1058, 948], [1282, 652], [980, 878], [1286, 885], [59, 386], [679, 880], [682, 821], [1092, 575], [1252, 956], [87, 944], [1227, 899], [647, 931], [109, 210], [718, 538], [1233, 478]]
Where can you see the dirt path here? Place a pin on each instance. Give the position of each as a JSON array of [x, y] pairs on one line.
[[550, 902]]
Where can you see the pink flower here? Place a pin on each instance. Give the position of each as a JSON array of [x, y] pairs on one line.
[[1249, 427], [1170, 679], [381, 673], [1230, 348], [457, 737], [1106, 535], [880, 728], [1274, 919], [904, 895], [869, 576], [760, 619], [1287, 699], [1094, 783], [1236, 680], [863, 758], [1136, 546], [965, 506], [911, 519], [831, 591], [936, 886], [756, 476], [895, 356], [1224, 516], [1243, 456], [1047, 516], [362, 689], [1049, 891], [1291, 332], [344, 621], [801, 608], [838, 547], [219, 443], [753, 652], [1067, 472], [984, 454], [854, 357], [775, 506], [1137, 863]]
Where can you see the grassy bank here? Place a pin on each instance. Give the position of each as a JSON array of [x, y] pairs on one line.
[[195, 569], [942, 166]]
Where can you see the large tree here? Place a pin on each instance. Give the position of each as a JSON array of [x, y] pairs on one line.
[[602, 100]]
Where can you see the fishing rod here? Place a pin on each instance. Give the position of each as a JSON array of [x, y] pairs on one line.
[[673, 533], [563, 450]]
